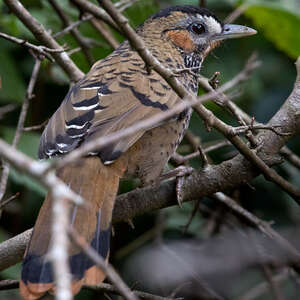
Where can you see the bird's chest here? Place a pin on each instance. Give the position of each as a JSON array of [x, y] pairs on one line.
[[148, 156]]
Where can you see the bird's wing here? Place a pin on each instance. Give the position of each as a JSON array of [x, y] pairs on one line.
[[114, 95]]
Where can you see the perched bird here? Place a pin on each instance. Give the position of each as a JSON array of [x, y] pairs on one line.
[[117, 92]]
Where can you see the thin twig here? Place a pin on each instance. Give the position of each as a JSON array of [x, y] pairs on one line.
[[102, 287], [6, 109], [269, 173], [262, 288], [96, 11], [192, 215], [206, 149], [20, 125], [102, 28], [8, 200], [36, 127], [105, 267], [290, 156], [261, 225], [192, 139], [236, 13], [41, 50], [110, 288], [272, 283], [45, 37], [82, 41], [73, 25]]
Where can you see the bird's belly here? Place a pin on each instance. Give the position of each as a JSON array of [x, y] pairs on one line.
[[149, 155]]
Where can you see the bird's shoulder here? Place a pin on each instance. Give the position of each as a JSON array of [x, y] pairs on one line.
[[116, 92]]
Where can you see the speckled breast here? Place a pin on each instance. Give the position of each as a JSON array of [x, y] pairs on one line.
[[150, 154]]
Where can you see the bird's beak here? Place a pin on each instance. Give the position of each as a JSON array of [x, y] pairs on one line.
[[231, 31]]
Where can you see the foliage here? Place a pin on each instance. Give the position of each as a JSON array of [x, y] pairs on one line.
[[280, 22]]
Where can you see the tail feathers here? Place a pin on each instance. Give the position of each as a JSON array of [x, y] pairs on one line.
[[98, 185]]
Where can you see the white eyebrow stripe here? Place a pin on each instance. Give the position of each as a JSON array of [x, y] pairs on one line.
[[212, 23]]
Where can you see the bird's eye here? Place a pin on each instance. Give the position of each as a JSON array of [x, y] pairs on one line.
[[198, 28]]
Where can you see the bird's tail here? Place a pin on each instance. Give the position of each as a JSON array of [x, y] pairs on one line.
[[98, 186]]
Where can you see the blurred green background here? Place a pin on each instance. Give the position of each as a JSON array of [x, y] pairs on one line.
[[277, 45]]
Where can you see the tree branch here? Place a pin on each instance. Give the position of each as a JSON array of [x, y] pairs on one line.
[[43, 36], [20, 125]]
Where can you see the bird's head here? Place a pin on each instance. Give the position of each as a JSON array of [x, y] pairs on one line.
[[193, 31]]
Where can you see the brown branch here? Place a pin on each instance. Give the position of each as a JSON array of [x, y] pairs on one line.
[[269, 173], [41, 50], [73, 26], [272, 283], [206, 149], [8, 200], [36, 127], [43, 36], [236, 13], [290, 156], [261, 225], [202, 3], [20, 125], [102, 28], [82, 42], [263, 287], [192, 139], [96, 11], [224, 101], [12, 250]]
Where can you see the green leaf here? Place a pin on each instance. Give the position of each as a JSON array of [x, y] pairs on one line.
[[279, 22]]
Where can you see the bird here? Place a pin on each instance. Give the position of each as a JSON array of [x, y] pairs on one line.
[[116, 93]]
